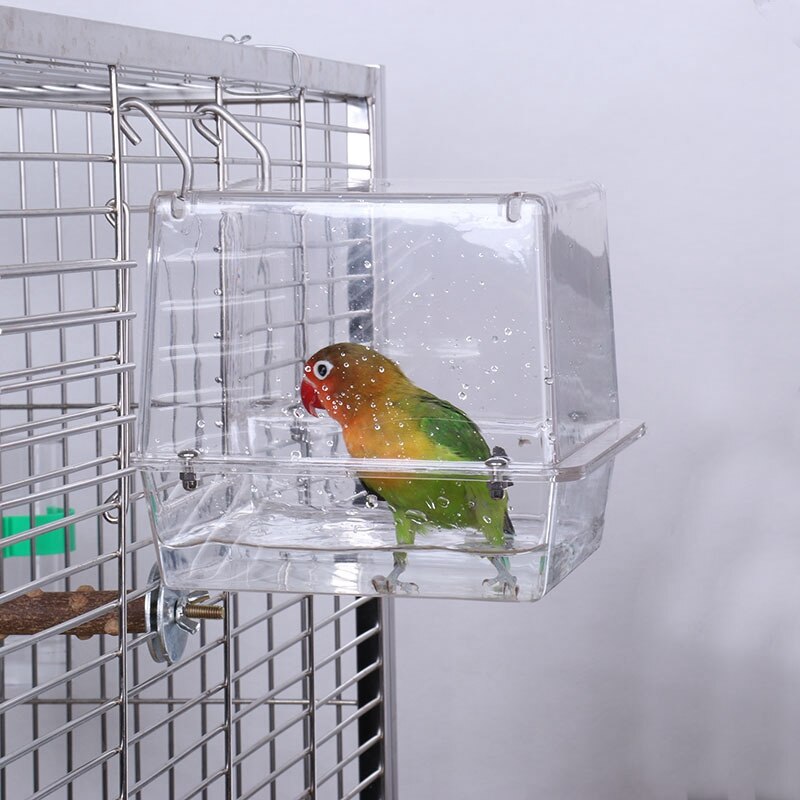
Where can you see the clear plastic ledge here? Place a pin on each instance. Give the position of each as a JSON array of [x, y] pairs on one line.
[[594, 453]]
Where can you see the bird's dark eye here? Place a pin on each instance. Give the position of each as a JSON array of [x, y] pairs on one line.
[[322, 369]]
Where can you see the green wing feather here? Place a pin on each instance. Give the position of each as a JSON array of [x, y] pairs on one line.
[[450, 427], [455, 437]]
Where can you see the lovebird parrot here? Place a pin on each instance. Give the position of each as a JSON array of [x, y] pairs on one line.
[[384, 415]]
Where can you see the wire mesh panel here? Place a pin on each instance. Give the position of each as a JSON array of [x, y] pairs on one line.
[[287, 697]]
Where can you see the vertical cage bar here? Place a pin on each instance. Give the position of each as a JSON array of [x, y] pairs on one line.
[[121, 249], [369, 688], [337, 675], [309, 695], [301, 108], [65, 441], [230, 602]]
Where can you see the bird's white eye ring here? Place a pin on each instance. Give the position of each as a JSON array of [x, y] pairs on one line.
[[322, 369]]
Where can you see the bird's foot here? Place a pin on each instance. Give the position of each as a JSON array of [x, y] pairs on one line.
[[503, 585], [392, 585]]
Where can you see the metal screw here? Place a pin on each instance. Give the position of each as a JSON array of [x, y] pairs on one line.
[[188, 476], [197, 611], [171, 616], [499, 482]]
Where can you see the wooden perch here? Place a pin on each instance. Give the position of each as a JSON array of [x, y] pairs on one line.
[[39, 610]]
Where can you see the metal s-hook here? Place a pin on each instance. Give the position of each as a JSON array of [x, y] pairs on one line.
[[265, 177], [130, 103]]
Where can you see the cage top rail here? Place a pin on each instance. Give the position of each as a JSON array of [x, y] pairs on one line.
[[33, 33]]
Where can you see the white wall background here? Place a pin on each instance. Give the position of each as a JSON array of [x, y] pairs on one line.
[[669, 664]]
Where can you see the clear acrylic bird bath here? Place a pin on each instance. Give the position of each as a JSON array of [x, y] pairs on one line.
[[498, 302]]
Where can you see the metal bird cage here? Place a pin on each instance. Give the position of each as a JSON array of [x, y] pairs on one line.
[[290, 696]]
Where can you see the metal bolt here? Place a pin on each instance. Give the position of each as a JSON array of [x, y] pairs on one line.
[[188, 476], [197, 611], [170, 616], [499, 482]]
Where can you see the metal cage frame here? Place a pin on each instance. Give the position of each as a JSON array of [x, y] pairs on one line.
[[103, 720]]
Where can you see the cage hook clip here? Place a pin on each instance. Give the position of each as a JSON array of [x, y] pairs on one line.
[[497, 463], [188, 476], [110, 515], [213, 109], [131, 103]]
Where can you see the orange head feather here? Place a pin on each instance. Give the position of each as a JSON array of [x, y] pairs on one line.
[[345, 378]]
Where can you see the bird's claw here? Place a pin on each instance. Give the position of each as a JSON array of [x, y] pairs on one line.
[[505, 586], [389, 585]]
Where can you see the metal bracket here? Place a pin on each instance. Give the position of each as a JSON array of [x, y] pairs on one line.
[[499, 482], [172, 616]]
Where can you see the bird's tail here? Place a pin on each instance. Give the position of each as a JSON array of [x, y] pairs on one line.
[[508, 527], [508, 531]]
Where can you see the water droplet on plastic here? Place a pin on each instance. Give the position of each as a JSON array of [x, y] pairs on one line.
[[367, 264], [217, 379], [495, 339], [377, 427], [297, 412], [218, 292], [493, 368], [468, 339], [295, 455], [201, 423], [371, 501], [381, 369], [443, 502], [527, 365], [218, 423], [549, 381], [508, 331]]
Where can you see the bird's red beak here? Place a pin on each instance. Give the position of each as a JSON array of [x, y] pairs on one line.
[[310, 397]]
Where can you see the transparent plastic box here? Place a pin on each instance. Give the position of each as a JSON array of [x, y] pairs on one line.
[[499, 303]]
